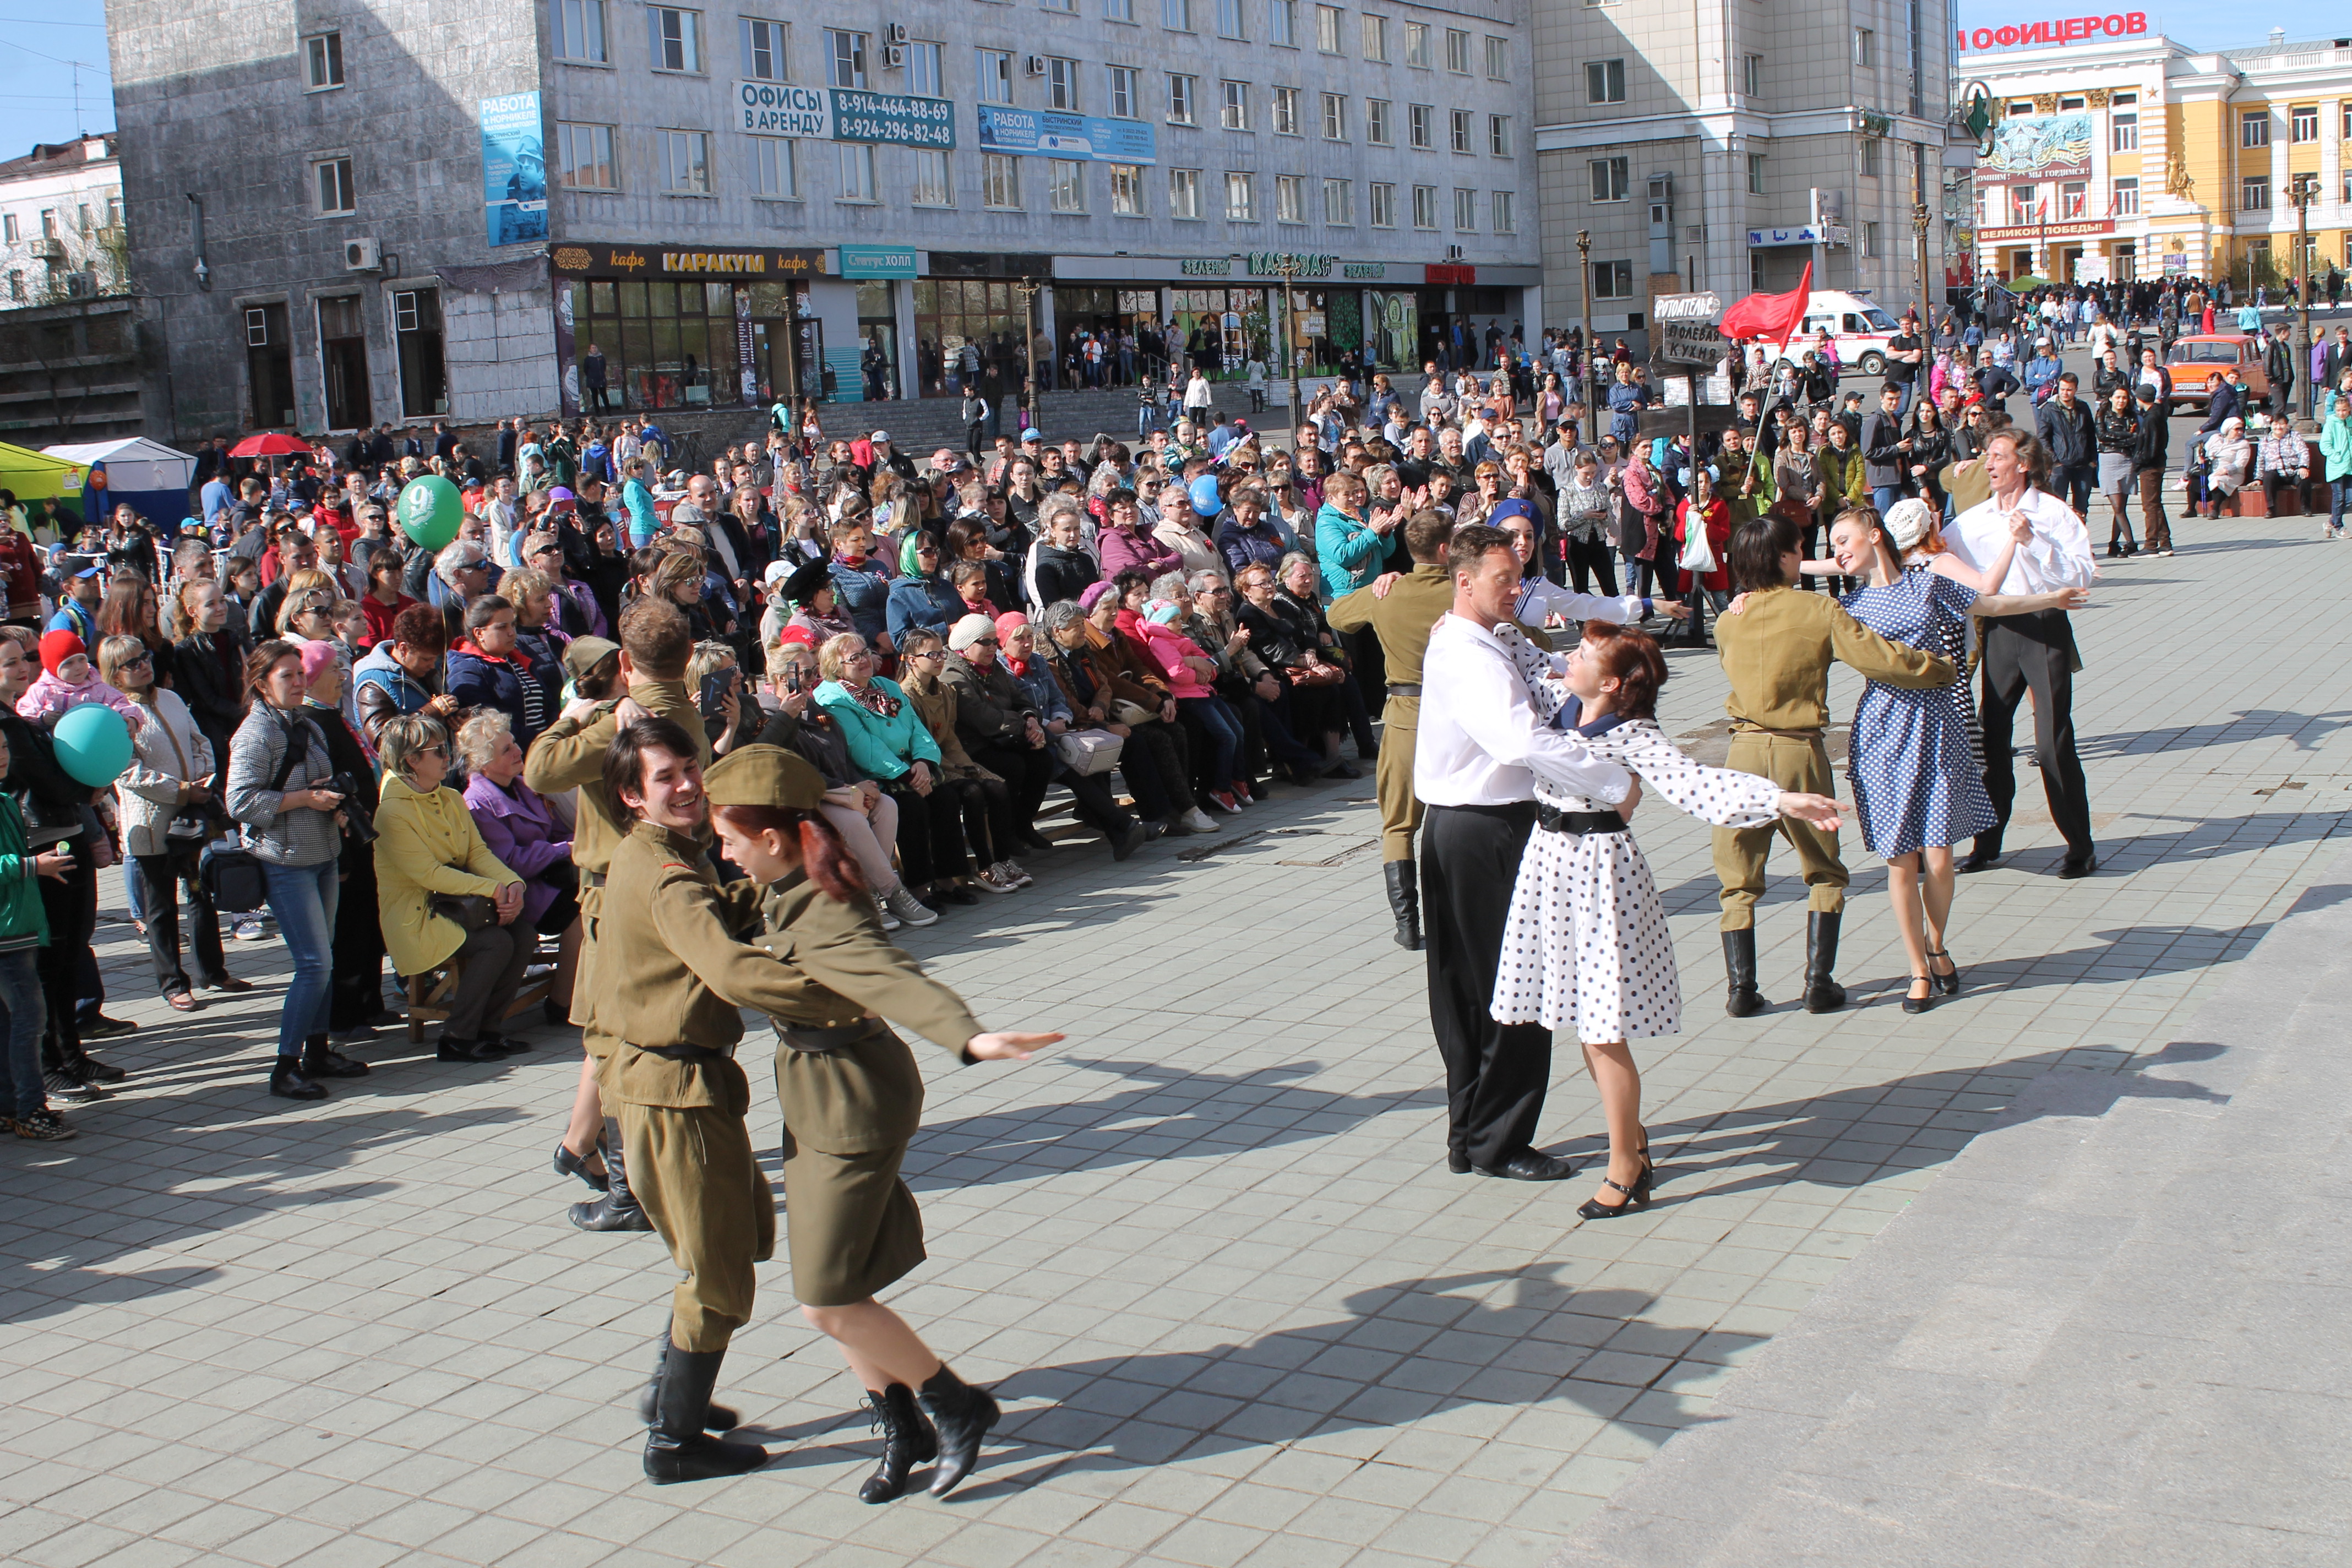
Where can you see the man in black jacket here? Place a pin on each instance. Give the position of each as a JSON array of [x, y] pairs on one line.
[[1887, 451], [2068, 431], [2149, 460]]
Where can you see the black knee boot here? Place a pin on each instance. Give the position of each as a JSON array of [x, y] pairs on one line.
[[908, 1440], [1739, 969], [1822, 994], [618, 1209], [716, 1418], [676, 1448], [963, 1414], [1404, 903]]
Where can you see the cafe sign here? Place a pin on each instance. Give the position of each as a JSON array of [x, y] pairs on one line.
[[654, 260]]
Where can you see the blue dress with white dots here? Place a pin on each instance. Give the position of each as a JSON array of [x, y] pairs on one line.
[[1917, 781]]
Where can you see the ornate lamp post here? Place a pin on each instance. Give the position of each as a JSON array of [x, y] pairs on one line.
[[2303, 191], [1920, 219], [1027, 288], [1584, 289], [1286, 268]]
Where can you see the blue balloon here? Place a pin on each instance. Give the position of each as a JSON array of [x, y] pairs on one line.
[[93, 744]]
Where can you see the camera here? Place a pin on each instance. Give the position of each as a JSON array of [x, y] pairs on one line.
[[359, 826]]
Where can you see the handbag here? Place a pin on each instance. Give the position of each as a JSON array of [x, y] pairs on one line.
[[1087, 752], [469, 911], [1697, 557], [228, 870], [1123, 711]]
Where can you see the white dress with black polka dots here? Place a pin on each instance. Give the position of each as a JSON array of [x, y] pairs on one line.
[[1586, 944]]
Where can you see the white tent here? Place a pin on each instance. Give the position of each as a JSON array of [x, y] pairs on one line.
[[133, 463]]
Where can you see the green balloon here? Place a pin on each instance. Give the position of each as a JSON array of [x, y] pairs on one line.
[[430, 510]]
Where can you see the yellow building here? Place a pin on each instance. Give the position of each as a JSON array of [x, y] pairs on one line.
[[2134, 157]]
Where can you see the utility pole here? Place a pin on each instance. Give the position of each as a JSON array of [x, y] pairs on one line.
[[2303, 191], [1584, 289]]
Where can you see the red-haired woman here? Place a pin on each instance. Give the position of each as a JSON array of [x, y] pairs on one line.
[[852, 1098], [1586, 944]]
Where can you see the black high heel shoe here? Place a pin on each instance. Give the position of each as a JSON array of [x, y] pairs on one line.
[[1949, 985], [1920, 1004], [568, 1164], [1636, 1196]]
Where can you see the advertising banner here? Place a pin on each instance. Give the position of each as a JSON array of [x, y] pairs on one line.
[[1051, 135], [896, 118], [514, 169], [780, 109], [2038, 146], [878, 261]]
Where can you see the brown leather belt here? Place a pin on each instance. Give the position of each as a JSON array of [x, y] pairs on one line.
[[1783, 734], [827, 1037]]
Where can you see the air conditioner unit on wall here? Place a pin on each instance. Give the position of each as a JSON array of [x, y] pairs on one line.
[[896, 33], [1035, 65], [894, 56], [362, 256]]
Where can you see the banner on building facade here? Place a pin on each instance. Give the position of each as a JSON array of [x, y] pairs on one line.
[[514, 169], [2038, 146], [1085, 137], [843, 114]]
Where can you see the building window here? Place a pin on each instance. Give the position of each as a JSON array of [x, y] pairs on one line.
[[1503, 206], [857, 162], [2304, 122], [1419, 124], [9, 229], [1416, 46], [763, 49], [1236, 112], [1498, 59], [1181, 92], [1498, 135], [585, 159], [1457, 51], [1061, 83], [1282, 23], [1465, 211], [1335, 117], [2074, 200], [686, 162], [1286, 112], [844, 59], [1289, 198], [1375, 36], [1118, 10], [2127, 202], [1751, 75], [1065, 185], [1424, 206], [2123, 133], [17, 287], [1340, 203], [1184, 192], [1610, 179], [1326, 29], [1604, 82], [322, 53], [1123, 92], [1613, 280], [1241, 197], [934, 183], [331, 177], [924, 72], [1383, 214], [677, 38], [1065, 7], [995, 76], [2254, 127], [49, 223], [1756, 174], [1127, 190], [2023, 202], [1176, 16], [1865, 49], [2070, 104], [2254, 193], [1873, 148], [1460, 124], [1000, 181], [1229, 19], [772, 174], [1378, 127]]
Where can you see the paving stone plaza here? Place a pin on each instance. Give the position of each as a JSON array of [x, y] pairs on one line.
[[1209, 1254]]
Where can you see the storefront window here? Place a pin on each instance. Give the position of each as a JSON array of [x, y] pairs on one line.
[[667, 345], [956, 314], [1219, 328]]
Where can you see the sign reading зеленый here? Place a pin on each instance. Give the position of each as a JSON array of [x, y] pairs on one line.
[[844, 114]]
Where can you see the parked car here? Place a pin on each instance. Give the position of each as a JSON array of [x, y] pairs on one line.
[[2198, 362]]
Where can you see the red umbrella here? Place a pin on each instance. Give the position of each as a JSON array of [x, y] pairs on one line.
[[270, 444]]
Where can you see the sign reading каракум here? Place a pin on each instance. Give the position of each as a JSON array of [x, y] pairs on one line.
[[682, 261]]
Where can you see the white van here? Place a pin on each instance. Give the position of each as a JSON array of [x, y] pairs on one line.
[[1858, 328]]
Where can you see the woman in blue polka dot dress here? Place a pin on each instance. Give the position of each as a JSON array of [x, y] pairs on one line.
[[1918, 785], [1586, 943]]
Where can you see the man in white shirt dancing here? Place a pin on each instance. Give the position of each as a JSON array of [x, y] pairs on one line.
[[2034, 651], [1480, 744]]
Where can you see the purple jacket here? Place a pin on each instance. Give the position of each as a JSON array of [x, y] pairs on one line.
[[521, 831]]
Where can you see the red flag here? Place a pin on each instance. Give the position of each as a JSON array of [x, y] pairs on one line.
[[1773, 316]]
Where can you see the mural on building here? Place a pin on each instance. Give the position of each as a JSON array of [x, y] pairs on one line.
[[2041, 145]]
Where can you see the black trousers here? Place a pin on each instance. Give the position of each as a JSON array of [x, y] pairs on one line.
[[2034, 652], [160, 879], [1588, 559], [1027, 771], [71, 906], [1496, 1074], [930, 832], [358, 985]]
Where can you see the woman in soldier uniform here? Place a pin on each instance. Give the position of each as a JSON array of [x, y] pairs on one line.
[[852, 1099]]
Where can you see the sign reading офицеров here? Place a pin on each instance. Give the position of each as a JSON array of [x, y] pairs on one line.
[[2058, 31]]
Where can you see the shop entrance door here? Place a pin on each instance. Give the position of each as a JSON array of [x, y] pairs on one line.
[[877, 339], [342, 356]]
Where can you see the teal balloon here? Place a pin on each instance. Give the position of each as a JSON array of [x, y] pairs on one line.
[[93, 744], [430, 511]]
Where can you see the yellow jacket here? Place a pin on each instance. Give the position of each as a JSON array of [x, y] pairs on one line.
[[427, 843]]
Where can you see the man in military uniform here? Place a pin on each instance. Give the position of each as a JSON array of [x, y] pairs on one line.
[[1778, 652], [570, 755]]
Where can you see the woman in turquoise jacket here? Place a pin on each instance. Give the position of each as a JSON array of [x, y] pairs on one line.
[[889, 743], [1349, 550], [2336, 449], [639, 501]]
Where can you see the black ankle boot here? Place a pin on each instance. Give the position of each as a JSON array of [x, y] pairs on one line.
[[1404, 903], [676, 1448], [1822, 995], [1739, 969], [716, 1418], [323, 1060], [908, 1440], [618, 1209], [963, 1414], [287, 1082]]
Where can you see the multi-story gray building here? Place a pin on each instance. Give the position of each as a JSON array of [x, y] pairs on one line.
[[380, 209], [1723, 146]]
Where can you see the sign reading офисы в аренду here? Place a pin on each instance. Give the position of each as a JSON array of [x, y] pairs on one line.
[[2060, 30], [844, 114]]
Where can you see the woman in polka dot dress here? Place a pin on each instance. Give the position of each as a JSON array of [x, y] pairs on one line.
[[1918, 785], [1586, 943]]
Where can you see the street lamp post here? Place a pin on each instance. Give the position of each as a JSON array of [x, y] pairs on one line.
[[1286, 269], [1920, 218], [2303, 191], [1027, 288], [1584, 291]]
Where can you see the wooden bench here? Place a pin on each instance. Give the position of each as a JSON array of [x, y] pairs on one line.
[[429, 993]]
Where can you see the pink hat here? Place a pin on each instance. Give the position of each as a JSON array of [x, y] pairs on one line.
[[317, 655], [1008, 623]]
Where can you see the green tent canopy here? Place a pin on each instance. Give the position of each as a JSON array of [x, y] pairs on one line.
[[36, 476]]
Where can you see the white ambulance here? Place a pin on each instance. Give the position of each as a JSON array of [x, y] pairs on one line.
[[1858, 328]]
